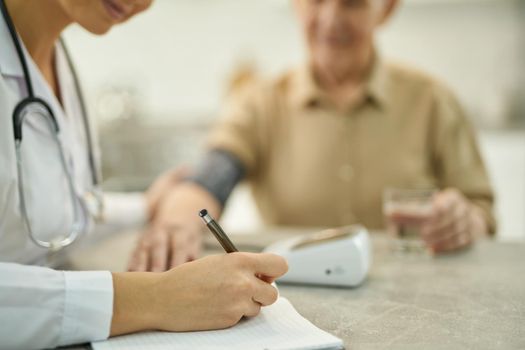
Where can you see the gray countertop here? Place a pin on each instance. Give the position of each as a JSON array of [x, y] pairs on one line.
[[474, 299]]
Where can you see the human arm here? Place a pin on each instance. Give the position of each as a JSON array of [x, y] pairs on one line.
[[45, 308], [463, 210], [210, 293], [175, 234]]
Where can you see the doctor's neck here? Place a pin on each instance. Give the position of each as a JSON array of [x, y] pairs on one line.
[[39, 24]]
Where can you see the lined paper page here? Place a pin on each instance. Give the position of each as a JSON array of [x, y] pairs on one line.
[[278, 327]]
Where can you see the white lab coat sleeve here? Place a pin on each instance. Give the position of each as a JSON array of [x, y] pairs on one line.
[[125, 210], [45, 308]]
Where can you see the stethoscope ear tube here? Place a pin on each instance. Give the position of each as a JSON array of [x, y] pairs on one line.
[[18, 48], [95, 175], [19, 116]]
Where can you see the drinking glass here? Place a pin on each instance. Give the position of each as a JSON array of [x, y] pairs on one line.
[[405, 212]]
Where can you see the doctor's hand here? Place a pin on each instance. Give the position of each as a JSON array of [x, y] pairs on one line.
[[454, 224], [175, 234], [210, 293]]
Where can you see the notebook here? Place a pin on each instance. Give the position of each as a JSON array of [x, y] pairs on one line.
[[277, 327]]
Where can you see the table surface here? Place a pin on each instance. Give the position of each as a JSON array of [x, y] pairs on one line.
[[473, 299]]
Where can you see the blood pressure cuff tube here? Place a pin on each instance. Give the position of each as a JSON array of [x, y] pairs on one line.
[[219, 172]]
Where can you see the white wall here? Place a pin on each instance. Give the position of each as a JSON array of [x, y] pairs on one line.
[[477, 47], [179, 52], [504, 153], [177, 55]]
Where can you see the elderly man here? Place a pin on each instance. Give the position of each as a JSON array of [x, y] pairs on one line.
[[320, 143]]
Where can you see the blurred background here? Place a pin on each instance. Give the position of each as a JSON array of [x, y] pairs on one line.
[[155, 84]]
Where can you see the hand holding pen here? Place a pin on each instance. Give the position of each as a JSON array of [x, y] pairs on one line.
[[225, 241]]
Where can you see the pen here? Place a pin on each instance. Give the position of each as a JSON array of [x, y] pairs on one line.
[[217, 231], [223, 239]]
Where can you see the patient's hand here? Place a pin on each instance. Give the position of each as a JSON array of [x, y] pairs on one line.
[[175, 234], [162, 185], [454, 224], [160, 248]]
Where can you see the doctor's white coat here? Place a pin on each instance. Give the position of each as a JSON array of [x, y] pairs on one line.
[[41, 307]]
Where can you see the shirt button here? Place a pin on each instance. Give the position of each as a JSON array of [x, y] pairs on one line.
[[346, 172]]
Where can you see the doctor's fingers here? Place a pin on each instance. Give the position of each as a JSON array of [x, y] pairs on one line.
[[252, 308], [240, 309], [265, 294], [269, 265]]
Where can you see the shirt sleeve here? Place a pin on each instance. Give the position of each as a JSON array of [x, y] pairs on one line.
[[45, 308], [125, 210], [457, 159], [239, 129]]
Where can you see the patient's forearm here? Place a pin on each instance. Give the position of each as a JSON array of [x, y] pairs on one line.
[[181, 207]]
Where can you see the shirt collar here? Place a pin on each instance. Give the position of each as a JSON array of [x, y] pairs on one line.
[[307, 93], [377, 83]]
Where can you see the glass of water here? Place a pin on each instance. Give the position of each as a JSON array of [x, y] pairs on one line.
[[405, 212]]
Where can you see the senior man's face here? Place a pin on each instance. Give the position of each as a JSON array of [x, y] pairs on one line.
[[338, 30]]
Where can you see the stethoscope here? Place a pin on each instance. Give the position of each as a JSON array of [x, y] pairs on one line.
[[92, 201]]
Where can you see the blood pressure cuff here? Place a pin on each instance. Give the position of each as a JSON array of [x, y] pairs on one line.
[[219, 172]]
